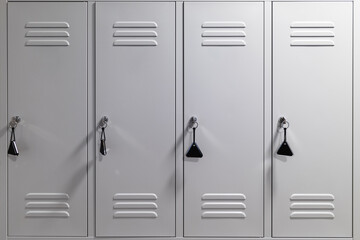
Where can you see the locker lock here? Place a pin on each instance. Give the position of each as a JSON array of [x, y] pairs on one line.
[[14, 122], [103, 122], [283, 123], [193, 122]]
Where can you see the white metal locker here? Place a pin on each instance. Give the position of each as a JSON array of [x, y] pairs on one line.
[[47, 182], [223, 88], [135, 86], [312, 89]]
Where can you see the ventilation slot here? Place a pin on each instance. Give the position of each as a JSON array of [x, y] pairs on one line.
[[223, 34], [312, 34], [223, 205], [312, 206], [135, 205], [224, 24], [135, 34], [43, 34], [312, 24], [47, 205]]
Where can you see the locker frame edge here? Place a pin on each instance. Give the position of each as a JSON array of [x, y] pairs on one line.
[[179, 124]]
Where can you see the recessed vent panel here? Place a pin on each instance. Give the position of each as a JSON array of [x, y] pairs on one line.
[[135, 205], [223, 34], [223, 205], [47, 205], [42, 34], [312, 206], [312, 34], [135, 33]]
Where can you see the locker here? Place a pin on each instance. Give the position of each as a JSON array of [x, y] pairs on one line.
[[223, 88], [135, 87], [47, 181], [312, 89], [179, 119]]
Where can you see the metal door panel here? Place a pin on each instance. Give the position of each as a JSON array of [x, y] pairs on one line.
[[47, 182], [224, 88], [135, 84], [312, 89]]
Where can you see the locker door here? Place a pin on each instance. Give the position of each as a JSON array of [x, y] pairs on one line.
[[312, 89], [135, 82], [224, 90], [47, 182]]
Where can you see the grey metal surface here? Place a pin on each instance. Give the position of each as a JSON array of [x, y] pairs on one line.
[[224, 88], [47, 190], [312, 87], [135, 86]]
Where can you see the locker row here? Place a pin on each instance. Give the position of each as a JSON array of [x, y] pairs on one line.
[[223, 111]]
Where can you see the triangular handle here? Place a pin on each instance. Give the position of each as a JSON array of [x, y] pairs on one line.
[[285, 150], [13, 150], [194, 150], [103, 150]]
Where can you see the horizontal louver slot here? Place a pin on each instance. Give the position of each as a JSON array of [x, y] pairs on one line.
[[223, 215], [135, 25], [44, 196], [314, 43], [223, 43], [223, 205], [312, 197], [135, 214], [135, 196], [47, 43], [47, 34], [312, 215], [135, 34], [312, 24], [135, 43], [61, 205], [312, 34], [223, 24], [48, 214], [141, 205], [47, 25], [223, 196], [223, 34], [328, 206]]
